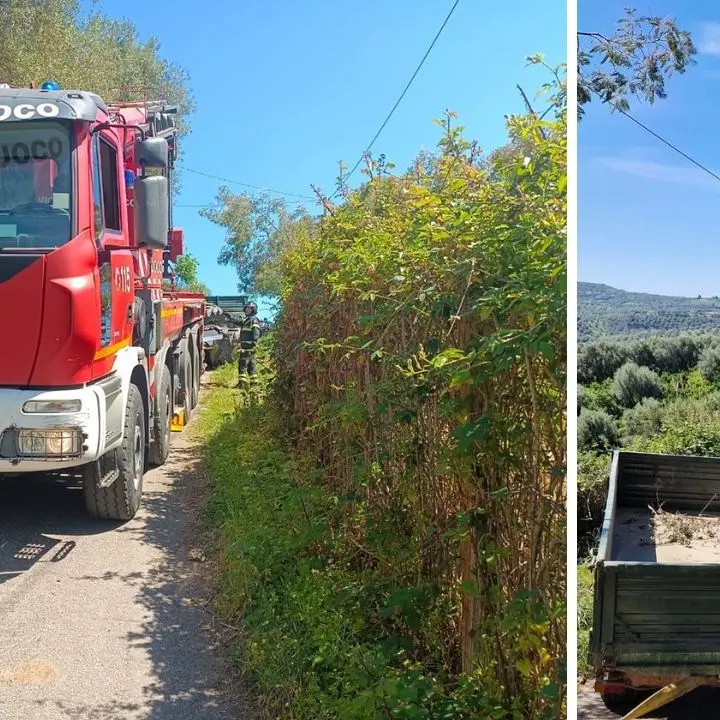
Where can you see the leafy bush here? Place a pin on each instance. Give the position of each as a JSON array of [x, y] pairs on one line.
[[599, 396], [592, 483], [633, 383], [421, 369], [689, 438], [644, 419], [596, 430], [709, 364]]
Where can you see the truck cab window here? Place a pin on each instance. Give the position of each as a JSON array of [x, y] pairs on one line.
[[110, 186], [36, 195], [97, 189]]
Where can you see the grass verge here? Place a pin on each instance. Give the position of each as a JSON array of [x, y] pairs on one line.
[[318, 639], [584, 619]]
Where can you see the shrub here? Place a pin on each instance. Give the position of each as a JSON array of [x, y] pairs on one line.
[[598, 361], [645, 418], [596, 430], [633, 383], [599, 396], [592, 483], [709, 364]]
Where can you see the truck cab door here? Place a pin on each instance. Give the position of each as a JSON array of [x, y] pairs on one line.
[[116, 273]]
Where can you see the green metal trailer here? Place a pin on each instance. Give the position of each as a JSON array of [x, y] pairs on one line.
[[656, 616]]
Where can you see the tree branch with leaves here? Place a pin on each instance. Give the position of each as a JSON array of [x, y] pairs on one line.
[[636, 60], [259, 229]]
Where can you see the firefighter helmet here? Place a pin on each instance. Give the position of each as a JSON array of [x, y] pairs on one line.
[[253, 309]]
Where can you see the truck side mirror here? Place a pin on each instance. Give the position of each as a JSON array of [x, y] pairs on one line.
[[151, 211], [176, 243], [152, 152]]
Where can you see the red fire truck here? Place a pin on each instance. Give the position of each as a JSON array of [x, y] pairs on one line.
[[101, 358]]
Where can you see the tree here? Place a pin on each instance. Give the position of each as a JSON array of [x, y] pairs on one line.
[[596, 430], [633, 383], [709, 364], [600, 360], [645, 418], [635, 60], [186, 273], [54, 40], [259, 230]]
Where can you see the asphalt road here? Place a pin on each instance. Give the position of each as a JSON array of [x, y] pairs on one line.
[[101, 621], [701, 704]]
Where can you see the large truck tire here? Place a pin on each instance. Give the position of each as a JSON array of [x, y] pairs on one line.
[[121, 500], [185, 375], [162, 421], [195, 396]]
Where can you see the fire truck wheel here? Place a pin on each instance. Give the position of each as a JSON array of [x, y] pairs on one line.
[[185, 372], [160, 447], [195, 378], [121, 500]]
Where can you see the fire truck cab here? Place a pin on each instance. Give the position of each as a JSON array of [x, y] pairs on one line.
[[102, 358]]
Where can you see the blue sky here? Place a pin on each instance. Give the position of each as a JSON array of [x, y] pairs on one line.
[[287, 89], [648, 220]]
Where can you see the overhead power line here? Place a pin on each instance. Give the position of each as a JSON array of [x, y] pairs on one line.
[[247, 185], [209, 204], [407, 87], [663, 140], [670, 145], [367, 149]]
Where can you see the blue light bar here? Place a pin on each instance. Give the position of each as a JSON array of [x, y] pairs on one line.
[[50, 85]]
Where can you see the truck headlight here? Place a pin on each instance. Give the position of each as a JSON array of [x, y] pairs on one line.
[[49, 443], [52, 406]]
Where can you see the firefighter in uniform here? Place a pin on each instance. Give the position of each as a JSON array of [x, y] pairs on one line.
[[249, 336]]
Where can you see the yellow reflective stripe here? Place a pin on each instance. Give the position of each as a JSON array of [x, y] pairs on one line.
[[111, 349], [171, 311]]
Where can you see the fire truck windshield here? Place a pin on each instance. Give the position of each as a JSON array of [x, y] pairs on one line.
[[35, 185]]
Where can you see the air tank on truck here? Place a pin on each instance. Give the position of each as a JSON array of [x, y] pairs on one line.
[[102, 360]]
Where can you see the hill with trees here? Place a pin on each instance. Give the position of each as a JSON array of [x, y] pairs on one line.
[[606, 312]]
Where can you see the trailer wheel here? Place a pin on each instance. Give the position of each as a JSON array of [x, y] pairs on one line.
[[622, 703], [121, 500], [160, 448], [195, 397], [185, 373]]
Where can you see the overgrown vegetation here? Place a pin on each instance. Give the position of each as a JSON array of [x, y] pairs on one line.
[[394, 513], [685, 421]]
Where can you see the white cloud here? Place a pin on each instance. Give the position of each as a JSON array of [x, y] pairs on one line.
[[661, 172], [709, 40]]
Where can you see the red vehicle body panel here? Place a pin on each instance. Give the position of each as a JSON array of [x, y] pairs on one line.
[[51, 302]]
